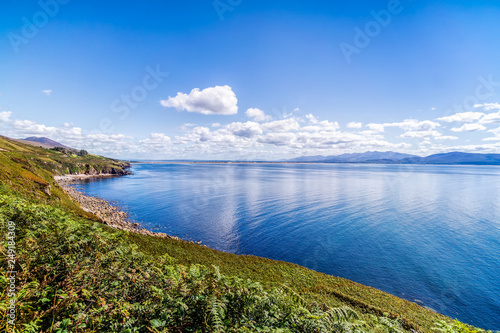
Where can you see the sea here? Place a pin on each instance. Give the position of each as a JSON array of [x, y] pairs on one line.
[[426, 233]]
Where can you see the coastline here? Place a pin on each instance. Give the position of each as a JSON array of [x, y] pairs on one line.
[[107, 212]]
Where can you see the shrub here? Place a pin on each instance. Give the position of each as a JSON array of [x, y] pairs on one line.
[[74, 277]]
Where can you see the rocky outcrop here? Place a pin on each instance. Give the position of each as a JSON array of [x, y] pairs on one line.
[[107, 212]]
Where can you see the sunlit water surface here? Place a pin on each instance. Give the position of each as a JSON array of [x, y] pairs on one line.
[[429, 234]]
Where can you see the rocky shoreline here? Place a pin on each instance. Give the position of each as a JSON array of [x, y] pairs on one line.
[[109, 214]]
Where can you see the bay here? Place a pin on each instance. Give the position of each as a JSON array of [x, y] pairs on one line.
[[428, 234]]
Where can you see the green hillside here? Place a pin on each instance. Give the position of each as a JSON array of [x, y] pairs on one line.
[[76, 274]]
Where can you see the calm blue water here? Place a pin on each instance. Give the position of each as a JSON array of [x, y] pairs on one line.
[[429, 234]]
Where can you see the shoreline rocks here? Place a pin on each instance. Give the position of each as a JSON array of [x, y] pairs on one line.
[[107, 212]]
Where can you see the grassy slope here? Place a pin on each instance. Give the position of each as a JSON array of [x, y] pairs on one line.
[[29, 170]]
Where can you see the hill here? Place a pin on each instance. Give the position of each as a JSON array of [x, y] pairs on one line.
[[354, 157], [39, 142], [455, 158], [389, 157], [76, 274], [45, 142]]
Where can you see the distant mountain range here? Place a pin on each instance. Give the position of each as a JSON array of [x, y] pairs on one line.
[[390, 157]]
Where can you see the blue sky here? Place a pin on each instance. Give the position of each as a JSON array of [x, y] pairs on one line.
[[319, 77]]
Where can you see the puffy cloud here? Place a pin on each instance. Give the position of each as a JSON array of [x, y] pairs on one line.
[[318, 126], [446, 137], [414, 125], [214, 100], [239, 140], [421, 134], [278, 139], [493, 138], [258, 115], [32, 128], [157, 141], [5, 116], [326, 139], [47, 92], [284, 125], [312, 119], [354, 125], [496, 132], [247, 130], [490, 118], [488, 106], [107, 138], [464, 117], [376, 127], [469, 128], [203, 133], [113, 145]]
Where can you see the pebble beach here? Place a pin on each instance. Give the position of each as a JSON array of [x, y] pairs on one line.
[[109, 213]]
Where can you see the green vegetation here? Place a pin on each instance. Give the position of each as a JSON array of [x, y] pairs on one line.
[[78, 275], [82, 153], [70, 152], [30, 170]]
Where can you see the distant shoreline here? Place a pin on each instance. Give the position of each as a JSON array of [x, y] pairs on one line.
[[332, 163], [371, 157]]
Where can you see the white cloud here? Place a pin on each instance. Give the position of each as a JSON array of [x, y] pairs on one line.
[[406, 125], [258, 115], [490, 118], [354, 125], [312, 119], [464, 117], [246, 140], [5, 116], [247, 130], [414, 125], [219, 100], [107, 138], [187, 126], [316, 125], [278, 139], [157, 142], [30, 128], [47, 92], [492, 138], [496, 132], [376, 127], [469, 128], [488, 106], [421, 134], [446, 137], [203, 133], [323, 125], [284, 125]]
